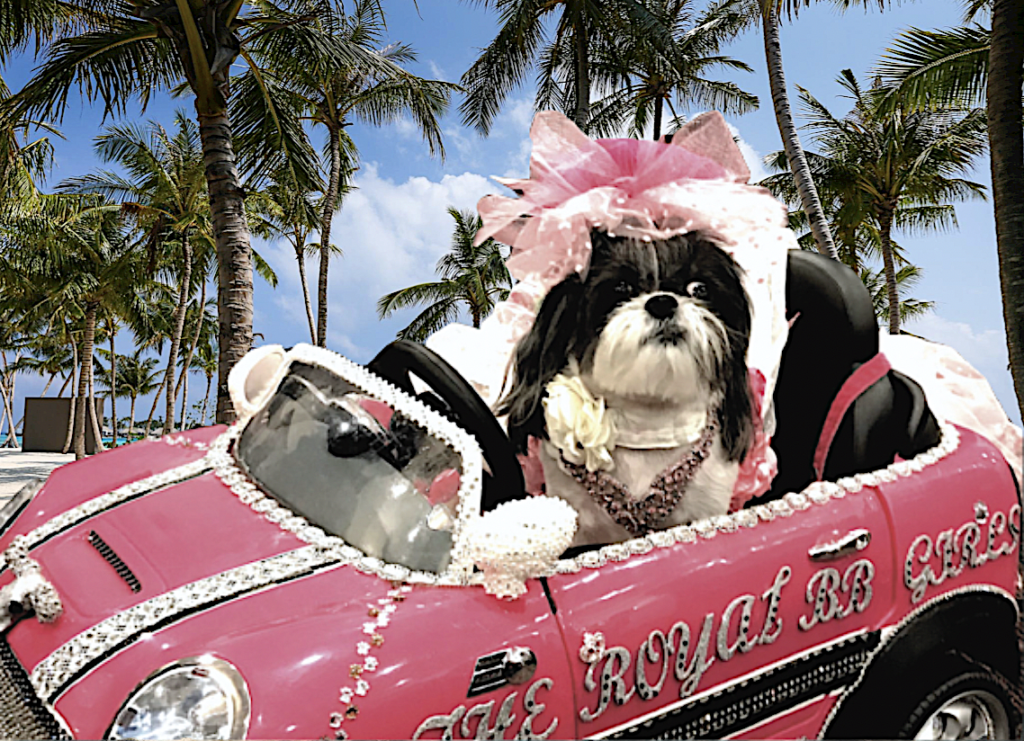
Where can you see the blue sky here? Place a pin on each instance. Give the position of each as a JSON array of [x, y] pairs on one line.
[[394, 227]]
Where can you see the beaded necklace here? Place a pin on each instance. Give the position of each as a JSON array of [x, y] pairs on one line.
[[640, 516]]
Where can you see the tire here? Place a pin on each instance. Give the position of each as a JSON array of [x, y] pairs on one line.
[[970, 705]]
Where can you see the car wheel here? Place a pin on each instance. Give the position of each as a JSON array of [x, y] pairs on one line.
[[971, 705]]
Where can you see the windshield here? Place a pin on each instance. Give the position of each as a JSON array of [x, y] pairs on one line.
[[355, 467]]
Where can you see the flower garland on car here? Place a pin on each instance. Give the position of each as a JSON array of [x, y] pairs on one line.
[[381, 612]]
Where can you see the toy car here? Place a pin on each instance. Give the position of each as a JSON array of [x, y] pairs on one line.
[[315, 571]]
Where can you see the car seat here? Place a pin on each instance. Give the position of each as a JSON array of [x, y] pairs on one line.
[[834, 333]]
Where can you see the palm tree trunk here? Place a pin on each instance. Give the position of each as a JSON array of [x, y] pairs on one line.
[[113, 384], [582, 116], [69, 437], [84, 377], [184, 401], [659, 105], [234, 254], [67, 380], [4, 417], [1006, 149], [183, 378], [47, 386], [206, 399], [94, 419], [179, 328], [11, 441], [885, 239], [790, 141], [131, 420], [156, 401], [330, 200], [300, 257]]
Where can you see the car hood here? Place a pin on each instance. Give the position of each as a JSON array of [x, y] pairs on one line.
[[182, 568], [116, 530]]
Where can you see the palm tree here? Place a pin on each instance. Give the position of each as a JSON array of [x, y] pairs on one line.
[[284, 210], [474, 276], [202, 326], [164, 193], [84, 260], [118, 51], [137, 376], [580, 26], [906, 278], [768, 13], [206, 361], [1006, 152], [892, 169], [643, 76], [334, 92]]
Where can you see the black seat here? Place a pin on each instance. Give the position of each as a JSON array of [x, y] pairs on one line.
[[834, 333]]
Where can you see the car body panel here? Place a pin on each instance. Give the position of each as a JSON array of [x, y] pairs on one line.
[[294, 644], [726, 617], [170, 537], [74, 483]]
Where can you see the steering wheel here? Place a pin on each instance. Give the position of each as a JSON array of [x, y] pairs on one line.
[[401, 358]]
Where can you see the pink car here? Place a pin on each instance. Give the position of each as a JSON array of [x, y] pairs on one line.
[[328, 568]]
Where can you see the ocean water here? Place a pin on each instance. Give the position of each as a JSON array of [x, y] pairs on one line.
[[106, 441]]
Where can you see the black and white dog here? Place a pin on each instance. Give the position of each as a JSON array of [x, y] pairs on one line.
[[658, 331]]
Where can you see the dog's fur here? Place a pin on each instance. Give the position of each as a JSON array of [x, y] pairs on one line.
[[679, 356]]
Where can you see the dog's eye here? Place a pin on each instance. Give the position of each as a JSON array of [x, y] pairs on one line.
[[623, 288], [696, 289]]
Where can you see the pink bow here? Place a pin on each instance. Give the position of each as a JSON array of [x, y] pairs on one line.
[[623, 186]]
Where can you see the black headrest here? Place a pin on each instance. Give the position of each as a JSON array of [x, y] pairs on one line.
[[834, 332]]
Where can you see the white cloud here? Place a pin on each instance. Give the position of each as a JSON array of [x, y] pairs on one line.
[[436, 72], [392, 235], [407, 129], [980, 348]]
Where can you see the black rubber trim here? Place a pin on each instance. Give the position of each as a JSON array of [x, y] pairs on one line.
[[751, 702], [114, 560]]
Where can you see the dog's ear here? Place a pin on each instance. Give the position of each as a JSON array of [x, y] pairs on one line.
[[736, 412], [540, 356]]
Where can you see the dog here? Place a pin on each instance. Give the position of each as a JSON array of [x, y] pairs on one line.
[[657, 332]]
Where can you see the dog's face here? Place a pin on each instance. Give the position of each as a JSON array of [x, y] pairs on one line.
[[656, 322], [660, 322]]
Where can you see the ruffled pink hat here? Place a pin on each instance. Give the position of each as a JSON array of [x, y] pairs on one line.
[[650, 190]]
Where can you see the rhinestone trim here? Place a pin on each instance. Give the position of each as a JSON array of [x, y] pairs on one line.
[[817, 493], [56, 671], [98, 505], [460, 568]]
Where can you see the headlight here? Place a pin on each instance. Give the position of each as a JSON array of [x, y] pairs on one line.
[[200, 697], [10, 511]]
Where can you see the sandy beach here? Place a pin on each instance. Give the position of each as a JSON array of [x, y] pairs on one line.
[[16, 468]]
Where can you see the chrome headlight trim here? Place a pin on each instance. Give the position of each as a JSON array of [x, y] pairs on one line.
[[227, 678], [17, 504]]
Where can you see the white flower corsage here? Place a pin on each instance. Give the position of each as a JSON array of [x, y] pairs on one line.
[[579, 424]]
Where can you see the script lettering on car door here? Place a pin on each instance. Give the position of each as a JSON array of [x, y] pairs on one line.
[[654, 656]]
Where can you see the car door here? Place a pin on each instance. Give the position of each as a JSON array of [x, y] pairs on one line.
[[746, 623]]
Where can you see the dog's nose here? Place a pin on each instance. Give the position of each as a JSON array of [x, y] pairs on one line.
[[661, 306]]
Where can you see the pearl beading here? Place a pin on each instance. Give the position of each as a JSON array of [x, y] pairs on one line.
[[460, 568]]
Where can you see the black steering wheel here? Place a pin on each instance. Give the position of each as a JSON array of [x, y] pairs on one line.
[[401, 358]]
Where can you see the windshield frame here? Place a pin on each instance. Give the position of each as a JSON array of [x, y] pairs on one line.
[[232, 472]]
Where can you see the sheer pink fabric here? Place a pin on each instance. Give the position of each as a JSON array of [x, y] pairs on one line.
[[623, 186], [649, 190]]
